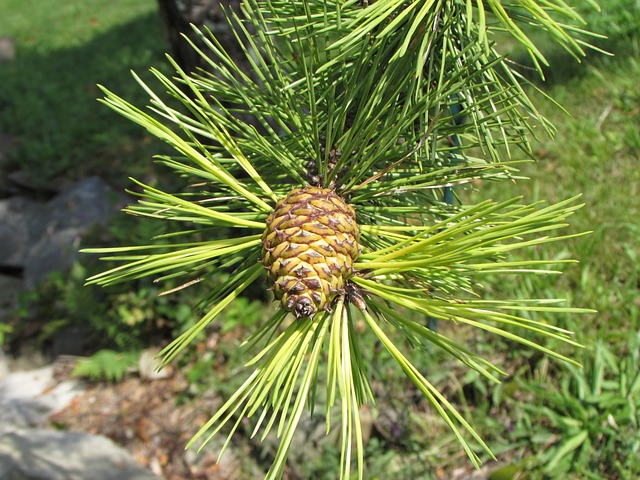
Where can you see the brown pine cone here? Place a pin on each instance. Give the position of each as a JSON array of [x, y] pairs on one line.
[[309, 248]]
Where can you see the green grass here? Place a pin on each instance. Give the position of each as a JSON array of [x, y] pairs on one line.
[[596, 152], [48, 96], [47, 26]]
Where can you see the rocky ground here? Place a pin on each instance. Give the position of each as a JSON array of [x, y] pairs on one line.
[[30, 449], [53, 426], [143, 416], [133, 426], [133, 429], [136, 429]]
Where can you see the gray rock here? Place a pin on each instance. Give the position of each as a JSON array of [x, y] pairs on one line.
[[39, 238], [22, 413], [83, 204], [33, 395], [65, 218], [21, 221], [55, 251], [55, 455], [26, 452]]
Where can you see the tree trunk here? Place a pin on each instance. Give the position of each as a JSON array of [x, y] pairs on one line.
[[177, 17]]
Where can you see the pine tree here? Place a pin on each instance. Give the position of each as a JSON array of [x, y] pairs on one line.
[[334, 162]]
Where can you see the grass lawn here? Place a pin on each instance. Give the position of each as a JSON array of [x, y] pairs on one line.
[[560, 413], [48, 95], [596, 153]]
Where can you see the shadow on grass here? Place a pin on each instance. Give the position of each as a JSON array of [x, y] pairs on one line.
[[620, 44], [48, 104], [563, 68]]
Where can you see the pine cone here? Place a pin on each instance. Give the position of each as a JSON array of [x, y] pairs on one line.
[[309, 247]]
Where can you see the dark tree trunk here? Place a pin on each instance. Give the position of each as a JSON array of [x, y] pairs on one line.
[[177, 17]]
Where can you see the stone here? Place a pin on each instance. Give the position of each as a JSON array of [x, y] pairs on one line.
[[27, 451], [37, 387], [83, 204], [22, 414], [148, 364], [38, 238], [59, 455], [7, 49], [21, 221], [65, 218], [55, 251]]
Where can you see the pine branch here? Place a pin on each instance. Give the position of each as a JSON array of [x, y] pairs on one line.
[[327, 162]]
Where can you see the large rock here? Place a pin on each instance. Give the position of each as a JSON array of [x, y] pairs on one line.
[[55, 251], [65, 217], [21, 222], [39, 238], [87, 202], [37, 454], [28, 452], [27, 398]]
